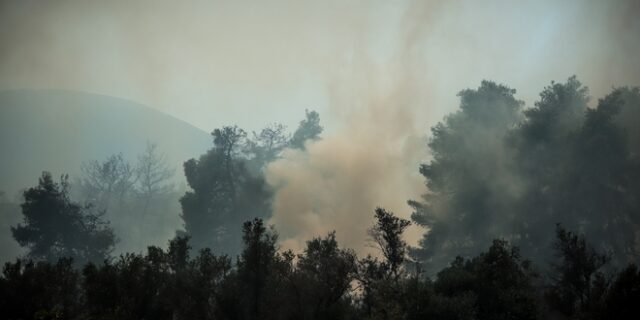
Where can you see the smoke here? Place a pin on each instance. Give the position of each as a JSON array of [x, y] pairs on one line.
[[372, 160], [212, 62], [387, 103]]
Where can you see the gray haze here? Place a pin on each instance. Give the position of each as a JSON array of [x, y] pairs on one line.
[[213, 62], [379, 73], [58, 131]]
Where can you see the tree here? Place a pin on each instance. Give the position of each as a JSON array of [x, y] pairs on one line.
[[577, 283], [322, 279], [227, 140], [223, 194], [387, 234], [381, 281], [596, 192], [470, 181], [106, 181], [502, 172], [308, 129], [255, 267], [153, 175], [578, 170], [542, 144], [55, 227], [498, 283]]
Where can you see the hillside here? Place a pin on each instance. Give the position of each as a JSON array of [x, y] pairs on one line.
[[58, 130]]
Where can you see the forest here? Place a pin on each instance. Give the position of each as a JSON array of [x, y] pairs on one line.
[[530, 213]]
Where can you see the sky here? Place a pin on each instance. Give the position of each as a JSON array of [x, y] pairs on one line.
[[212, 63], [380, 73]]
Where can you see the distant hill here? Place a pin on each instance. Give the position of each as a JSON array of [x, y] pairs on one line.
[[58, 130]]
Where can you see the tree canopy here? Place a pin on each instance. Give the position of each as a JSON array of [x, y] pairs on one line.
[[499, 170]]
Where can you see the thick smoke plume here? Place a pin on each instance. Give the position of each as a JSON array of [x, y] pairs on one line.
[[372, 160], [386, 105]]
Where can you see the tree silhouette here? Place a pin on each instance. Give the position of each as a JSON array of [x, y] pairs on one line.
[[322, 279], [469, 180], [55, 227], [577, 283], [108, 182], [387, 234], [153, 175], [224, 193]]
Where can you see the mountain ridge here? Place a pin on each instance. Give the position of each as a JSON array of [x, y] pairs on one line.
[[58, 130]]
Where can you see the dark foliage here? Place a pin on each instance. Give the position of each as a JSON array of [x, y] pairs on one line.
[[324, 282], [469, 178], [55, 227], [228, 185], [499, 171], [224, 193], [577, 284]]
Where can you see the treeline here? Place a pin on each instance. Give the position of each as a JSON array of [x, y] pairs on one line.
[[324, 282], [498, 171]]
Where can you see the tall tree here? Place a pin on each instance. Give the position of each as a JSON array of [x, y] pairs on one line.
[[381, 281], [255, 269], [153, 175], [543, 145], [107, 182], [470, 183], [223, 193], [579, 171], [578, 285], [56, 227], [597, 190], [387, 234]]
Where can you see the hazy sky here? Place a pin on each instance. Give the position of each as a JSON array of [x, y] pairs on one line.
[[379, 72], [250, 62]]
